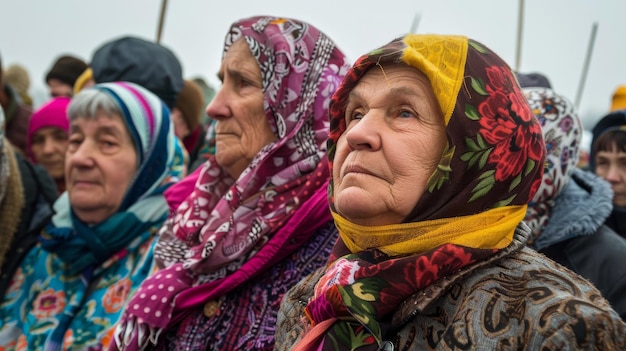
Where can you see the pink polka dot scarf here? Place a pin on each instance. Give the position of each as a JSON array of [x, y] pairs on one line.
[[229, 230]]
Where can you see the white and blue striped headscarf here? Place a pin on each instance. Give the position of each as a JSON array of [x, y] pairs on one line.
[[159, 153], [143, 208]]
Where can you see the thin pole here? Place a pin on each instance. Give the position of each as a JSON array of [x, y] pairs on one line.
[[161, 20], [520, 30], [583, 77], [416, 22]]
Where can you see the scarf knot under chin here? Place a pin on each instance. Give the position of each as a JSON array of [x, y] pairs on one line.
[[380, 267], [82, 246]]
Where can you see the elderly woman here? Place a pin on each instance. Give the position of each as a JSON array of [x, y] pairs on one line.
[[70, 288], [434, 154], [46, 141], [256, 219], [566, 215]]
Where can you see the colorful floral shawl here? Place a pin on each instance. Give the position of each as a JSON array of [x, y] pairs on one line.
[[562, 134], [70, 289], [493, 160], [224, 232]]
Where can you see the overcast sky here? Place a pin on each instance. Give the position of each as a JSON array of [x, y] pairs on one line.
[[555, 38]]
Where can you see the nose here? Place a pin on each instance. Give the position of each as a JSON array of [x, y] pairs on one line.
[[365, 134], [48, 146], [613, 174], [219, 108], [82, 155]]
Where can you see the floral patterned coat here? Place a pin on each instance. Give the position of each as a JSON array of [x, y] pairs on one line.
[[28, 320], [518, 299]]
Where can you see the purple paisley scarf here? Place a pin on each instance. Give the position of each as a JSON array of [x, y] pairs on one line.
[[225, 225]]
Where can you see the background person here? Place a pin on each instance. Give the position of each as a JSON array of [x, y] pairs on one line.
[[567, 214], [63, 74], [255, 219], [434, 154], [16, 112], [26, 196], [70, 288], [47, 138], [608, 160]]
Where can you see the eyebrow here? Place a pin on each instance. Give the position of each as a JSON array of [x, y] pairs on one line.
[[104, 130], [395, 91]]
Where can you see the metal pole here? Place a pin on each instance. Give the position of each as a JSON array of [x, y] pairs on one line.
[[416, 22], [520, 26], [161, 20], [583, 77]]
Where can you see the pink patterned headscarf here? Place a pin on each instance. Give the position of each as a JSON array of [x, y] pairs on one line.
[[229, 230]]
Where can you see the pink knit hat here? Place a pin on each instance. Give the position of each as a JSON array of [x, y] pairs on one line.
[[51, 114]]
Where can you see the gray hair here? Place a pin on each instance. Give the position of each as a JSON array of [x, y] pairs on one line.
[[89, 102]]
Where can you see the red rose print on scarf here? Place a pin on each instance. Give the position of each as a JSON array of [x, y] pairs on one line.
[[507, 126]]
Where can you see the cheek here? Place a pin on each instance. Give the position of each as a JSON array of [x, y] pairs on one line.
[[341, 154]]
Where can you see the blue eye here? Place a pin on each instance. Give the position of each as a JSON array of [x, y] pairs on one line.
[[406, 114]]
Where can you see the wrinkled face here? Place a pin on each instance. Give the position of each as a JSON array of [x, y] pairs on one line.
[[611, 165], [58, 88], [48, 146], [100, 165], [242, 129], [394, 139]]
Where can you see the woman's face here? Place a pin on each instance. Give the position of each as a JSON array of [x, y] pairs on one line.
[[48, 147], [394, 139], [100, 164], [611, 165], [242, 129]]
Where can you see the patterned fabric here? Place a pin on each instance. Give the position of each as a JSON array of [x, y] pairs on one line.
[[514, 300], [562, 134], [229, 230], [249, 312], [492, 161], [69, 290], [11, 193]]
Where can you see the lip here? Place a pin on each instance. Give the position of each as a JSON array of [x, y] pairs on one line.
[[80, 182], [357, 169]]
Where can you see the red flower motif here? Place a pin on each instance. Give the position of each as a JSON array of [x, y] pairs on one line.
[[116, 295], [49, 303], [508, 124]]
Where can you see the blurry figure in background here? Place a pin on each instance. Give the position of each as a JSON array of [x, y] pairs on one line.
[[16, 113], [255, 220], [151, 65], [207, 147], [186, 116], [618, 100], [47, 138], [608, 160], [434, 154], [63, 74], [17, 76], [208, 93], [132, 59], [26, 196], [71, 287], [566, 215], [528, 80]]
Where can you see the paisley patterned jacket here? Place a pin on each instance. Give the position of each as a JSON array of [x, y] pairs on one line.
[[518, 299]]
